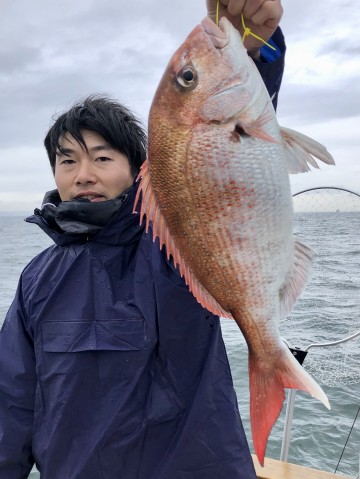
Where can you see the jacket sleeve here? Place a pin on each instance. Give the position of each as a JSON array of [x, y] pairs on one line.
[[271, 65], [17, 393]]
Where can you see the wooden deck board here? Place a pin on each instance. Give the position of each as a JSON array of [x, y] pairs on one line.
[[274, 469]]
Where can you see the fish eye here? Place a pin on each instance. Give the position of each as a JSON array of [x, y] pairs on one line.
[[187, 77]]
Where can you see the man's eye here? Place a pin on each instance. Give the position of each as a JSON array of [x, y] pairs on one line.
[[67, 162], [102, 158]]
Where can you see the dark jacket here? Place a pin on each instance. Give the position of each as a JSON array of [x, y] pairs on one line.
[[110, 369]]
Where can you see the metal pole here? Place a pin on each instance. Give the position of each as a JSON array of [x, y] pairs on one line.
[[291, 399], [333, 343], [285, 445]]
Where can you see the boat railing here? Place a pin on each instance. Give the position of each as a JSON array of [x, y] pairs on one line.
[[300, 355]]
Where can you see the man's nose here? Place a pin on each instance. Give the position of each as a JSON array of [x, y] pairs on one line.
[[85, 174]]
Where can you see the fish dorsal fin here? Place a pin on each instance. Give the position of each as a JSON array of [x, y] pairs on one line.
[[295, 283], [151, 210], [301, 151]]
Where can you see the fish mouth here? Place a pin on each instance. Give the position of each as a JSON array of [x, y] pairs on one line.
[[219, 35]]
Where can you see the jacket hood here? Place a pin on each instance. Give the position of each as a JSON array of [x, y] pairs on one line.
[[79, 221]]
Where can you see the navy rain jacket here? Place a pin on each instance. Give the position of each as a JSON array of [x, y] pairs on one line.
[[110, 369]]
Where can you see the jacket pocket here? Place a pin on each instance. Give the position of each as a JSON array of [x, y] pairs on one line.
[[82, 335]]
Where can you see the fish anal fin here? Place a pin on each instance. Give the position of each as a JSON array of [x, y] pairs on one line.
[[267, 382], [151, 210], [302, 151], [298, 277]]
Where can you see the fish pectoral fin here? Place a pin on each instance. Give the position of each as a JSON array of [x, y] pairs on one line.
[[152, 211], [256, 128], [297, 279], [302, 150], [267, 383]]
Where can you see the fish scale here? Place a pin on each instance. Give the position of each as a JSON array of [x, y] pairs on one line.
[[216, 189]]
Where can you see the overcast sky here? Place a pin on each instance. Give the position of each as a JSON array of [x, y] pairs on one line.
[[53, 53]]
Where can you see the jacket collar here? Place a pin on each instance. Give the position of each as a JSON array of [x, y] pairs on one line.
[[79, 221]]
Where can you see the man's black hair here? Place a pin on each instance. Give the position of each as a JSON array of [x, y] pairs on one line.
[[114, 122]]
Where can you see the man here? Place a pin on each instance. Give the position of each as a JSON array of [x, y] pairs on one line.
[[109, 368]]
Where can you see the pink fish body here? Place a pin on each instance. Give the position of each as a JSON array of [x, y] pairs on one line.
[[216, 189]]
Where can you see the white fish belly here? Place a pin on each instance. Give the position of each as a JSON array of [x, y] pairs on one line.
[[243, 195]]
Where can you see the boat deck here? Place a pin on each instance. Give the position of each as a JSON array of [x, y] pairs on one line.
[[274, 469]]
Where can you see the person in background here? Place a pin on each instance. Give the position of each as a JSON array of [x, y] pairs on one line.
[[109, 368]]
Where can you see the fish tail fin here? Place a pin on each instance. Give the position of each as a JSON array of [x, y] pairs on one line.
[[267, 394]]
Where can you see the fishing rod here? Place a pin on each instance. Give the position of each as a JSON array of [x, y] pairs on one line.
[[347, 440]]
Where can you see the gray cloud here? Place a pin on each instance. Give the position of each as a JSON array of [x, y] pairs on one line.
[[54, 53], [17, 59], [347, 48], [309, 104]]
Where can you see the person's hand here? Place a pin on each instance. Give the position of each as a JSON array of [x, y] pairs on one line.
[[261, 16]]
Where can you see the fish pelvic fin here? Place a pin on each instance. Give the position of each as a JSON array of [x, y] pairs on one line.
[[297, 279], [151, 211], [302, 151], [267, 393]]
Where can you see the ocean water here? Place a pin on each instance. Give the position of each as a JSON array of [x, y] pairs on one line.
[[328, 310]]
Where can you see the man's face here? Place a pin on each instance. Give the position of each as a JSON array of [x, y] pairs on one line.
[[98, 174]]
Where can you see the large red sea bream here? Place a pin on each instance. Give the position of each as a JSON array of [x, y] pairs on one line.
[[216, 189]]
